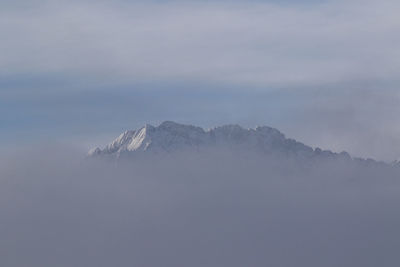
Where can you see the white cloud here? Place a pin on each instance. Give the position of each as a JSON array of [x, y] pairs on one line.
[[251, 44]]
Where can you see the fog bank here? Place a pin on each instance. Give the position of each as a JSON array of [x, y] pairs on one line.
[[214, 209]]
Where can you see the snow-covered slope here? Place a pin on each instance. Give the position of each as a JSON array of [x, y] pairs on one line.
[[171, 137]]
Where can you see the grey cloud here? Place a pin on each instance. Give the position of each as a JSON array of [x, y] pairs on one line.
[[218, 210]]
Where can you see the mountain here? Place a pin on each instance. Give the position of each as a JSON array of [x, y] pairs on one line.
[[396, 163], [170, 137]]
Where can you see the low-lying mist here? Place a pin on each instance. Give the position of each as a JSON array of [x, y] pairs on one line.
[[214, 209]]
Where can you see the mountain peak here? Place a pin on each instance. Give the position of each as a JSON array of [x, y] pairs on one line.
[[171, 137]]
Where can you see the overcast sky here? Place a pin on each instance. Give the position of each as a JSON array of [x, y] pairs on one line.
[[323, 72]]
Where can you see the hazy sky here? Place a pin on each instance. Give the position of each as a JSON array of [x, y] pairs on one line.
[[323, 72]]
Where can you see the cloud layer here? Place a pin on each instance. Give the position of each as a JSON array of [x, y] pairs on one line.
[[197, 210], [252, 43]]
